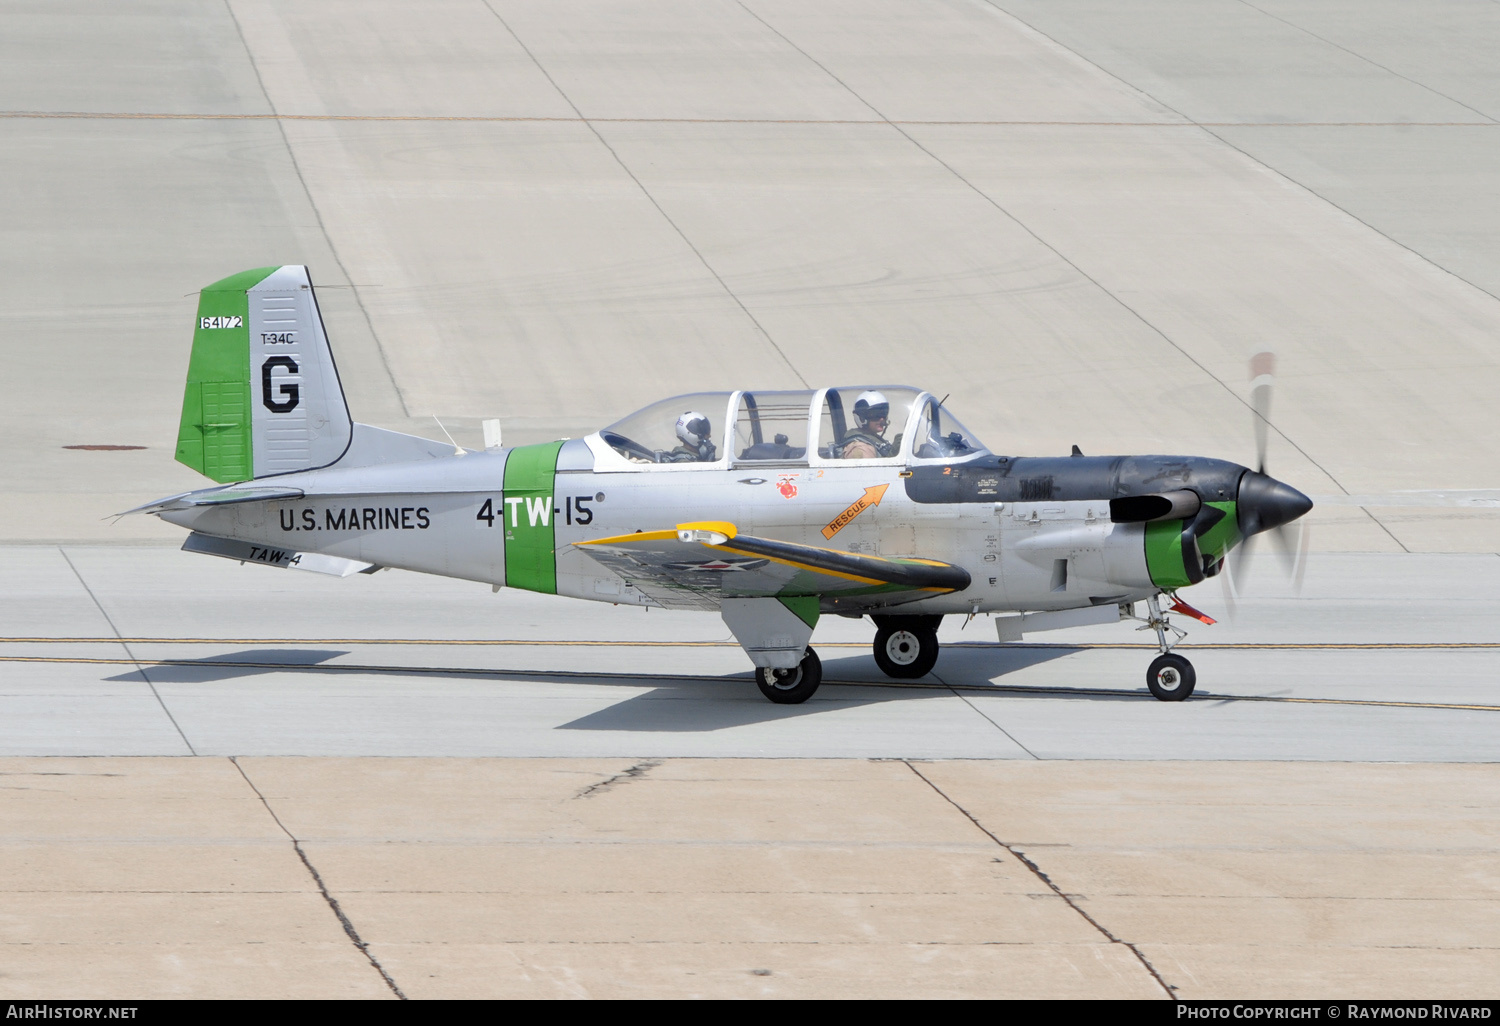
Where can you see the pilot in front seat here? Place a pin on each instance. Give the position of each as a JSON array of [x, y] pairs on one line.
[[693, 430], [872, 411]]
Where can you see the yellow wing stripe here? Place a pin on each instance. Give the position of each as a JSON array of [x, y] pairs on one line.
[[723, 527], [801, 566], [639, 536]]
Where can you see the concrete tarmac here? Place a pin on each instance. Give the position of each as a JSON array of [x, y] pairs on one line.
[[142, 651], [1079, 221], [486, 878]]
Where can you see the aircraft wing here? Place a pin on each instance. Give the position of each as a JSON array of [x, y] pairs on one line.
[[694, 566]]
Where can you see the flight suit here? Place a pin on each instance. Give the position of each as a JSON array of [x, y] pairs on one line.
[[682, 454], [865, 445]]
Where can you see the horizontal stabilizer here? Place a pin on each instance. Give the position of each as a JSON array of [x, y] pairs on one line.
[[697, 566], [286, 559], [216, 497]]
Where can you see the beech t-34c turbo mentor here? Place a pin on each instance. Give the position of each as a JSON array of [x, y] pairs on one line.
[[772, 508]]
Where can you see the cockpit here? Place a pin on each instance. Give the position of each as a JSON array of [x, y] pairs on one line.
[[887, 424]]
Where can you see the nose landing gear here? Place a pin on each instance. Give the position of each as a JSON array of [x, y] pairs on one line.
[[1170, 676]]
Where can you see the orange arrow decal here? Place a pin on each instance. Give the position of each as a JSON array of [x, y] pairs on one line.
[[871, 497]]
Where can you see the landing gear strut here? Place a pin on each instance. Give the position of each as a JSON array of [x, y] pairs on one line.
[[1170, 677], [906, 647]]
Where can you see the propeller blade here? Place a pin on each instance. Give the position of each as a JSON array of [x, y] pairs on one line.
[[1262, 381], [1291, 543], [1230, 607], [1266, 505], [1302, 559], [1284, 540], [1239, 563]]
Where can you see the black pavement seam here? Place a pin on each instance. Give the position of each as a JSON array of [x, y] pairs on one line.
[[140, 666], [964, 699], [333, 903], [635, 772], [120, 115], [652, 199], [1359, 56], [318, 214], [1036, 871]]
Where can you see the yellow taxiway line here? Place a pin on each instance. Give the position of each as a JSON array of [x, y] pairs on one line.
[[1269, 646], [1017, 689]]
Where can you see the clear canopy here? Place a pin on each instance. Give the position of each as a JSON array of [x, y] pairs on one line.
[[772, 427], [857, 423], [863, 423], [650, 435]]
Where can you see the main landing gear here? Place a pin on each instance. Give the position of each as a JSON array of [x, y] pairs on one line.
[[906, 647], [1170, 676], [794, 686]]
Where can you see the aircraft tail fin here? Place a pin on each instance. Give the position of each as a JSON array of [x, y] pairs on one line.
[[263, 395]]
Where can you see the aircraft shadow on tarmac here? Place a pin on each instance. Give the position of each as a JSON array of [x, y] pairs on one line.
[[229, 665], [680, 706], [674, 704]]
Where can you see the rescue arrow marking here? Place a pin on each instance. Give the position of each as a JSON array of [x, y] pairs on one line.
[[871, 497]]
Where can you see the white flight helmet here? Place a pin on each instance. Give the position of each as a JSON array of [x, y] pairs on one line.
[[871, 404], [694, 429]]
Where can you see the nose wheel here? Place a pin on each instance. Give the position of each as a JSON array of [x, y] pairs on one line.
[[1171, 677]]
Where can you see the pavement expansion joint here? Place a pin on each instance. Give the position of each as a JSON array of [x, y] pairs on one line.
[[637, 771], [85, 115], [333, 904], [1036, 870], [119, 639]]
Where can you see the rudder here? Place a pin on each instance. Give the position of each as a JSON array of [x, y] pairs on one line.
[[263, 395]]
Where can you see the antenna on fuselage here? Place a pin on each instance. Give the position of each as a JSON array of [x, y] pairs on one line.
[[457, 449]]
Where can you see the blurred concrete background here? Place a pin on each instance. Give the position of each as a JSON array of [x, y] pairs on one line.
[[1080, 219]]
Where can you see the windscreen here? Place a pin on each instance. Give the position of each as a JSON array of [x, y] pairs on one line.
[[940, 435]]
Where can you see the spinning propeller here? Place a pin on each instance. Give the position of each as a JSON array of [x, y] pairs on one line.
[[1267, 506]]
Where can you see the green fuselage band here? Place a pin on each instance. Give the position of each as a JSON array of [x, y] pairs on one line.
[[530, 530]]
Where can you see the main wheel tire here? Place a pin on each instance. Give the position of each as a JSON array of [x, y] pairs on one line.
[[906, 652], [794, 686], [1171, 677]]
